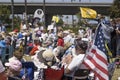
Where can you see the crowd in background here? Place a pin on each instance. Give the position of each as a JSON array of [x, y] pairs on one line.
[[50, 47]]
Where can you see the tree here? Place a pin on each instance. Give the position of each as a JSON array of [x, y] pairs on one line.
[[115, 9], [60, 22], [4, 13], [79, 18]]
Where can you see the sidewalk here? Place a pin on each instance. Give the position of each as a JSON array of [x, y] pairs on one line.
[[116, 74]]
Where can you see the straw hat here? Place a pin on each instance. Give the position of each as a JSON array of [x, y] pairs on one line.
[[11, 33], [3, 34], [66, 32], [69, 30], [48, 55], [1, 37]]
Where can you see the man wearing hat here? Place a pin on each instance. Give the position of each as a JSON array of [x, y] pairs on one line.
[[75, 67], [46, 57]]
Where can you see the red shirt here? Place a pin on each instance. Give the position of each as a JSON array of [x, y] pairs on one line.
[[60, 42]]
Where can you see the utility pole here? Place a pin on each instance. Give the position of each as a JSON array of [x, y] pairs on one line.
[[44, 13], [12, 9], [26, 12], [72, 15]]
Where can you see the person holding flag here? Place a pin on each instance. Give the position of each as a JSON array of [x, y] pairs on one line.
[[96, 57], [74, 68]]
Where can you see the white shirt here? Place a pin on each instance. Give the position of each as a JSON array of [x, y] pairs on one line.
[[76, 63], [67, 38], [50, 27], [24, 26], [81, 32], [44, 36], [1, 67]]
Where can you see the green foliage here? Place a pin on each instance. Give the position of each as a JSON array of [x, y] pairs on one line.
[[60, 22], [4, 13], [74, 29], [115, 9], [79, 18]]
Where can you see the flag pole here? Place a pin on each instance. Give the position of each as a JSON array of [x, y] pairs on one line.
[[26, 12]]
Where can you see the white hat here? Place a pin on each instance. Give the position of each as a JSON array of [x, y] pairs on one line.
[[67, 32], [85, 39], [24, 33], [11, 33], [36, 29]]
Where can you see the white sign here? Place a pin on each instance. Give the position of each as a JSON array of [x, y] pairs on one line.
[[38, 13]]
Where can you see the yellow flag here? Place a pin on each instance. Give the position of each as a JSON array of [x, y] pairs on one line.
[[55, 18], [88, 13], [108, 50]]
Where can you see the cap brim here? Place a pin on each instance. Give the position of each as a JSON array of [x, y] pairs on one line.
[[7, 64]]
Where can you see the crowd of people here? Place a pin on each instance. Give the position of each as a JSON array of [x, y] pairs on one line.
[[51, 48]]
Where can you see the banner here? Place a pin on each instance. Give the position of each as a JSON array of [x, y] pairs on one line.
[[88, 13], [38, 13], [55, 18]]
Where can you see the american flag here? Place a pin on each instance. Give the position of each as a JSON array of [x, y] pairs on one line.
[[96, 58]]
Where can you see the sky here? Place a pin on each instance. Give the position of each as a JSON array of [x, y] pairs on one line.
[[58, 0]]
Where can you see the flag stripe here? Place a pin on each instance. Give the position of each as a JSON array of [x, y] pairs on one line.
[[101, 77], [100, 60], [97, 71], [98, 56], [98, 66]]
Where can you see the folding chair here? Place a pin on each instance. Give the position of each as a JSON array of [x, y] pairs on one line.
[[52, 74], [81, 74]]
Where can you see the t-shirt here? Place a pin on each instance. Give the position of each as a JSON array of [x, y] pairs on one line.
[[60, 42], [76, 63]]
